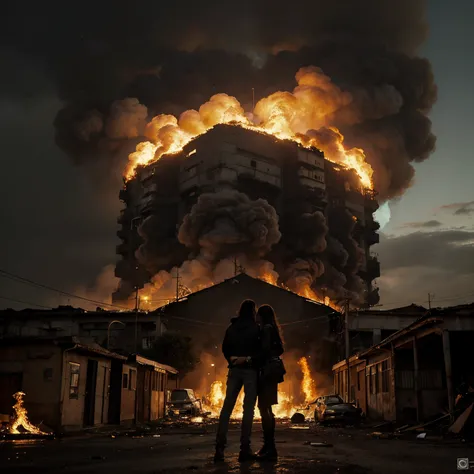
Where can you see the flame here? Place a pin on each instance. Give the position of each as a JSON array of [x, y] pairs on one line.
[[303, 116], [308, 385], [286, 407], [21, 418]]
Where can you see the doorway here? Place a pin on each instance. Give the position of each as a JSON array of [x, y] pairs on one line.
[[89, 402]]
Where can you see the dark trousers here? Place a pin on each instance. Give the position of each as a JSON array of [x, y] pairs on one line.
[[268, 424], [236, 379]]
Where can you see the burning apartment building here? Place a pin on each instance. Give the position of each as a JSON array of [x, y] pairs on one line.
[[237, 197]]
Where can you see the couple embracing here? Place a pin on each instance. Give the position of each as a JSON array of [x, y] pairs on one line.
[[252, 346]]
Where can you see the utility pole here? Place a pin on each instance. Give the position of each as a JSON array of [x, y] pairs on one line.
[[253, 99], [236, 266], [430, 296], [137, 303], [347, 348], [177, 283]]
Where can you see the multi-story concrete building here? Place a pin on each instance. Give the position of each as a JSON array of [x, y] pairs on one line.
[[291, 178]]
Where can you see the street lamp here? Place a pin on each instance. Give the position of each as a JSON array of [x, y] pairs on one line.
[[108, 331]]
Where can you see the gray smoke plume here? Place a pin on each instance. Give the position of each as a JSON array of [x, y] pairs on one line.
[[228, 223]]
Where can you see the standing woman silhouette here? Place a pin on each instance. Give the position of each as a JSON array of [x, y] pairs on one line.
[[271, 348]]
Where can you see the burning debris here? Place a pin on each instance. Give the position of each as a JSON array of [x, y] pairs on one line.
[[21, 417], [21, 427]]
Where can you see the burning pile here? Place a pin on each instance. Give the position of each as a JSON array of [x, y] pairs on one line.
[[21, 417], [286, 406]]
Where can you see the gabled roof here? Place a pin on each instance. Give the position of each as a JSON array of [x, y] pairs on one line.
[[236, 280]]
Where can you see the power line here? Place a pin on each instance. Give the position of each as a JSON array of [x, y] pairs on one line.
[[27, 281], [25, 302]]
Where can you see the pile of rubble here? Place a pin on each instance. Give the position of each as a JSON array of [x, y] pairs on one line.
[[444, 426]]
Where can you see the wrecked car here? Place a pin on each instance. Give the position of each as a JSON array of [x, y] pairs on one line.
[[333, 409], [183, 401]]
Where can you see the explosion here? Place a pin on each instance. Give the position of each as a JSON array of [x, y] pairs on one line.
[[21, 417], [303, 116]]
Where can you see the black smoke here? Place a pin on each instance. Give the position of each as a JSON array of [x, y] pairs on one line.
[[174, 56]]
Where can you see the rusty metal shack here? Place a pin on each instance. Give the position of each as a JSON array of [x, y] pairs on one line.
[[152, 383], [71, 384], [413, 374]]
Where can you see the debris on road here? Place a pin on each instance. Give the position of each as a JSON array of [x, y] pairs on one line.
[[298, 418], [319, 444]]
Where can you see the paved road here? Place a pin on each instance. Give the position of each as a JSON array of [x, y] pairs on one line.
[[182, 450]]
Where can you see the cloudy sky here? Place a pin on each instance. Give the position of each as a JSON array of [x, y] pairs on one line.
[[58, 220], [428, 245]]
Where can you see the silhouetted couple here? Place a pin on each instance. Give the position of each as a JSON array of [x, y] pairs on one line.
[[252, 346]]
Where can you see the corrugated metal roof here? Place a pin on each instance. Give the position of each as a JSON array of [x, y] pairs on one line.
[[152, 363]]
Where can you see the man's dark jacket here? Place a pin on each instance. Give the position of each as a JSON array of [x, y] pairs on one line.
[[241, 339]]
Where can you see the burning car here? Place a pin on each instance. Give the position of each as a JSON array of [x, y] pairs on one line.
[[332, 408], [183, 401]]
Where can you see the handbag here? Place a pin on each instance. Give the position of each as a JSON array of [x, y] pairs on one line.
[[273, 371]]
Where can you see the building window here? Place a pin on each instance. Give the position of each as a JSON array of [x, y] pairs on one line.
[[48, 375], [74, 371], [360, 374], [147, 342], [132, 380], [253, 163], [125, 381]]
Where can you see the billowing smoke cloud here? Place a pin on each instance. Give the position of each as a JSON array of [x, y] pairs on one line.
[[114, 69], [221, 229], [229, 222], [174, 58]]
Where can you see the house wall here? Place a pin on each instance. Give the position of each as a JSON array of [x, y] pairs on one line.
[[217, 305], [72, 404], [40, 369]]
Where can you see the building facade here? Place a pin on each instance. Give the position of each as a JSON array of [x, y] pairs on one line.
[[128, 331], [283, 173], [70, 385], [415, 373]]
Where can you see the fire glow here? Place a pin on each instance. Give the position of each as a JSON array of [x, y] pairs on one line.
[[286, 406], [21, 417], [303, 116]]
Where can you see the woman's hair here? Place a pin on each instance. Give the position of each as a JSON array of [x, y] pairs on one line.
[[247, 309], [267, 316]]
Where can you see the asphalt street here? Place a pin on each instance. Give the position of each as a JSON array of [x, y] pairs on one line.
[[189, 449]]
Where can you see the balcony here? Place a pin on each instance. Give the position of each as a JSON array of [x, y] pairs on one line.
[[123, 194], [373, 267], [371, 237], [123, 234], [122, 249]]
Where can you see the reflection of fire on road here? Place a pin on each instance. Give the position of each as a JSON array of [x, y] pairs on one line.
[[286, 406], [21, 417]]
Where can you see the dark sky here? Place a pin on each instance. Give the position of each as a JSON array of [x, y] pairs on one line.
[[58, 219]]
